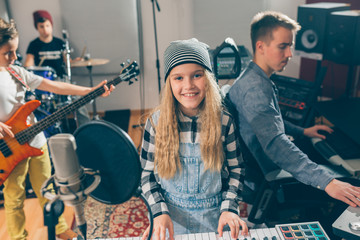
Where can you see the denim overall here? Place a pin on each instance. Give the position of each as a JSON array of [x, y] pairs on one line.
[[193, 196]]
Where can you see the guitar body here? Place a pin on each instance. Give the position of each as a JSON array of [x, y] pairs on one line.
[[19, 152], [14, 150]]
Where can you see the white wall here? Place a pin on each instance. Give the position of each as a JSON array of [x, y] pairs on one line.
[[3, 10], [174, 21], [290, 8], [210, 21]]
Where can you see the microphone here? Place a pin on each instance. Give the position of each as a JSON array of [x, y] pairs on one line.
[[65, 34], [70, 178]]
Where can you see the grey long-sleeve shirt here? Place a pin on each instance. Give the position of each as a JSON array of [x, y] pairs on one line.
[[263, 130]]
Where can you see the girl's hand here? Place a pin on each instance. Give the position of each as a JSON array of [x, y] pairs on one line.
[[234, 222], [161, 223]]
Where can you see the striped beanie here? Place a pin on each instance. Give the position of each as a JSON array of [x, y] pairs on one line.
[[186, 51]]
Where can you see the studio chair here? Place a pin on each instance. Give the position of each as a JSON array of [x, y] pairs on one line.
[[262, 185], [262, 181]]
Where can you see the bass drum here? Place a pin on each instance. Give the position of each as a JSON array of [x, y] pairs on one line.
[[45, 72]]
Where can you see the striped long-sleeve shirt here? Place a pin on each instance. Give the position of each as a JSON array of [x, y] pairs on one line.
[[232, 170]]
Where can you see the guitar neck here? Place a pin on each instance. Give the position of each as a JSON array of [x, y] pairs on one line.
[[30, 132]]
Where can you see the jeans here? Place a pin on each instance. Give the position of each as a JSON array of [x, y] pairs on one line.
[[39, 169], [193, 196]]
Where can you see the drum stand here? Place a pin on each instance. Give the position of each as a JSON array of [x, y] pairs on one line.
[[68, 71], [95, 115]]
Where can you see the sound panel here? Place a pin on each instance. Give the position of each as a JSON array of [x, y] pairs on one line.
[[313, 18], [343, 37]]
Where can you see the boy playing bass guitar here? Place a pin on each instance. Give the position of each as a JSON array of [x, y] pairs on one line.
[[14, 81]]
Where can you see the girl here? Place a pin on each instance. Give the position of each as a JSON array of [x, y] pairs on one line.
[[190, 154]]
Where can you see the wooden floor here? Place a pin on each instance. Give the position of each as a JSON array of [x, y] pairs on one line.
[[33, 212]]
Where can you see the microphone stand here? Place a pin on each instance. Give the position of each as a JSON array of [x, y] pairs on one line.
[[156, 42], [89, 68], [68, 66], [156, 50], [52, 211]]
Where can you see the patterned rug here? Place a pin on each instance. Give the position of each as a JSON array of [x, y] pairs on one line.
[[113, 221], [124, 220]]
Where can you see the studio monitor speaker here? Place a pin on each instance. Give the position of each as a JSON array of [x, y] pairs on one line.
[[312, 18], [343, 37]]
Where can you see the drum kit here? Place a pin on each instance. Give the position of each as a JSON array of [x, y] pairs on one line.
[[51, 102]]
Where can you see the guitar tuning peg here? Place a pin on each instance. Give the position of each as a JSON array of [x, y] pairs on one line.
[[130, 82], [122, 64], [136, 79]]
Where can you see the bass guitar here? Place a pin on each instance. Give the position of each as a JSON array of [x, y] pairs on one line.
[[14, 150]]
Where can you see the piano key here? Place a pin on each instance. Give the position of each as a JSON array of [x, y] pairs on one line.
[[254, 235], [184, 237], [177, 237], [205, 236], [227, 235], [191, 236], [212, 236], [267, 233], [260, 234], [274, 234], [198, 236]]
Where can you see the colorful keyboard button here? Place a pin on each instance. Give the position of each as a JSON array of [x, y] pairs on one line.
[[299, 231]]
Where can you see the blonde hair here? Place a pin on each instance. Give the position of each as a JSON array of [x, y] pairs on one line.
[[167, 137], [7, 31]]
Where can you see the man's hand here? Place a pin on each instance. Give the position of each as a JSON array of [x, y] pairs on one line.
[[345, 192], [313, 131], [161, 223]]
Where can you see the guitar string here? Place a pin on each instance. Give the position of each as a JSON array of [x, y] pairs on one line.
[[22, 135], [28, 133]]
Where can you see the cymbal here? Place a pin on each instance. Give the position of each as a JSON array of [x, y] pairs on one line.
[[89, 62]]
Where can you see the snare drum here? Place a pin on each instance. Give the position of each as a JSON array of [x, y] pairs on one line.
[[45, 72]]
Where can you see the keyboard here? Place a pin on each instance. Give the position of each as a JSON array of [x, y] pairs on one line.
[[344, 146], [339, 150], [305, 231]]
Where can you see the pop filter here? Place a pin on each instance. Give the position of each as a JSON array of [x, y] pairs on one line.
[[105, 147]]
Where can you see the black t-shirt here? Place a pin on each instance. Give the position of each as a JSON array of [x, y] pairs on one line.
[[52, 52]]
